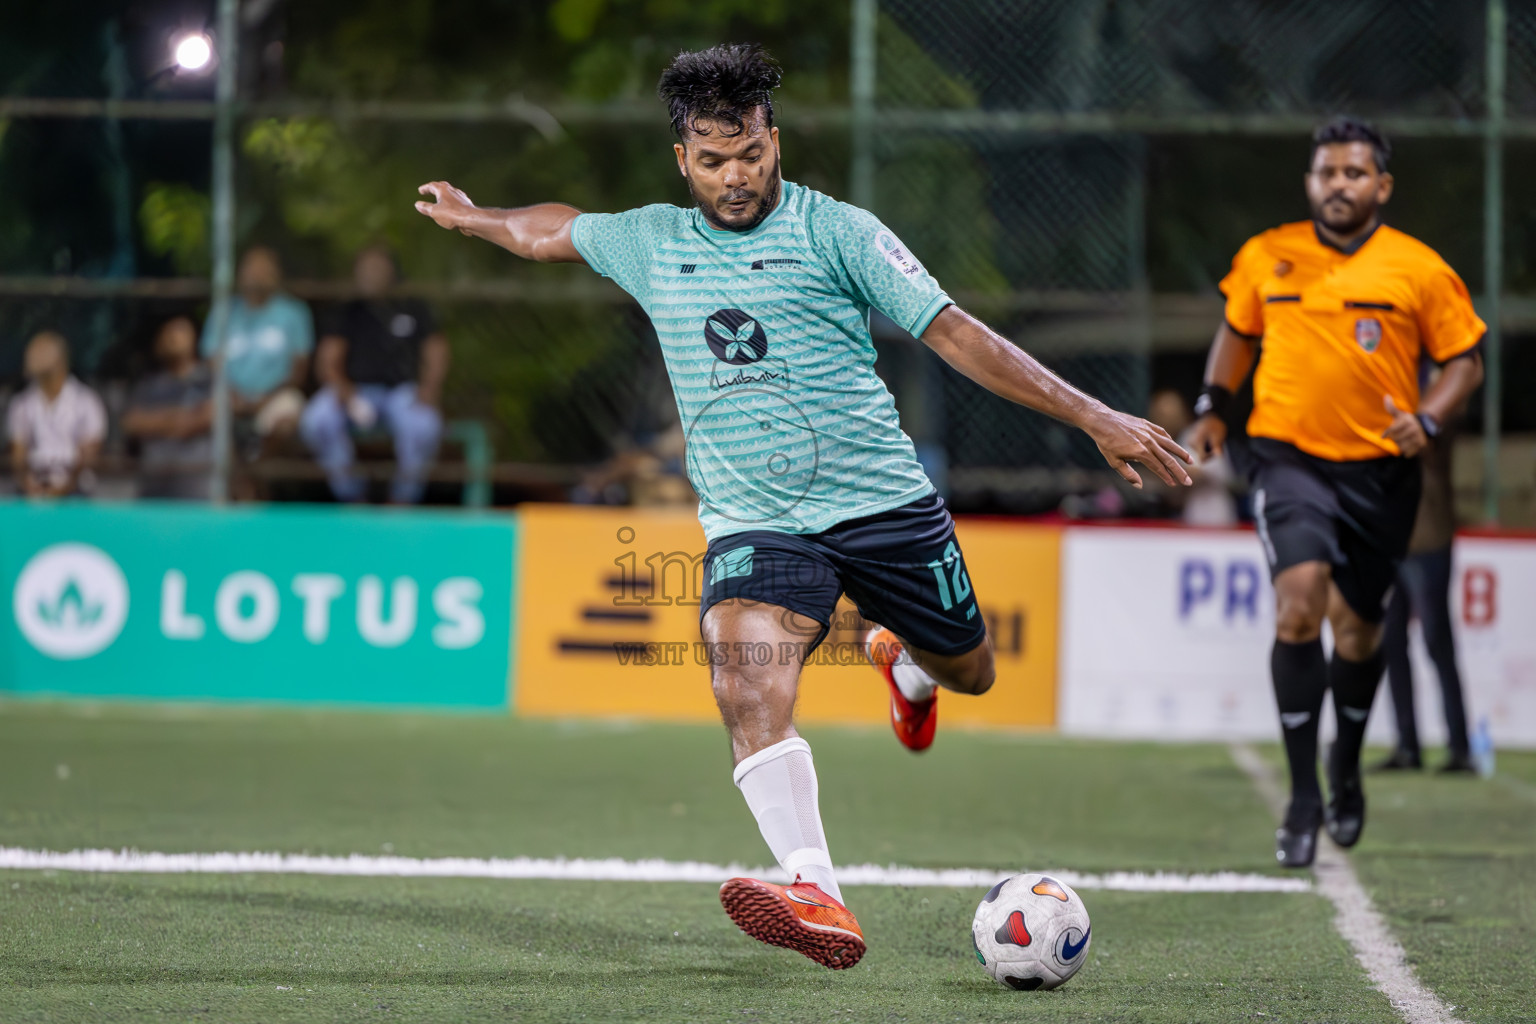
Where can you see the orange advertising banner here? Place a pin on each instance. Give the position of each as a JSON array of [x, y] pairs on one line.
[[608, 613]]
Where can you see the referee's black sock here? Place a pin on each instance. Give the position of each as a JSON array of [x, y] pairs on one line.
[[1301, 676], [1354, 690]]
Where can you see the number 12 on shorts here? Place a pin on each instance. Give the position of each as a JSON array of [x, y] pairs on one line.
[[957, 587]]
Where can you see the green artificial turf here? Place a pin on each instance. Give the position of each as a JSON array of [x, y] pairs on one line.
[[1452, 862], [262, 947]]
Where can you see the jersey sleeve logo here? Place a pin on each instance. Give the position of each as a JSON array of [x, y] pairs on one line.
[[896, 254]]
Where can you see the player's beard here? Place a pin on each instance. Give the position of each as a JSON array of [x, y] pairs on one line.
[[767, 201], [1344, 219]]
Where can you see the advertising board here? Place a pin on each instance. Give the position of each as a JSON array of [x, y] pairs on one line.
[[313, 604]]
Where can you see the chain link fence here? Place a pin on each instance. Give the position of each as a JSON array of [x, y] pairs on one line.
[[1077, 172], [1099, 155]]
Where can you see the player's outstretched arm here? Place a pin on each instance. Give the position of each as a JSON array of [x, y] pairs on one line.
[[541, 232], [1001, 367]]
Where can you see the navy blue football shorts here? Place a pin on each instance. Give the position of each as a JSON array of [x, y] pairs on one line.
[[902, 568], [1356, 516]]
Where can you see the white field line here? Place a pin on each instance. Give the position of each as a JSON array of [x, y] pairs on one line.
[[1355, 917], [608, 870]]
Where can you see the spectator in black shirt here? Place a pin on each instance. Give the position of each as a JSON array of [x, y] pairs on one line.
[[381, 361], [171, 413]]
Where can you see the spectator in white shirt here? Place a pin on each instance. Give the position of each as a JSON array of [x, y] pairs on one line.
[[56, 425]]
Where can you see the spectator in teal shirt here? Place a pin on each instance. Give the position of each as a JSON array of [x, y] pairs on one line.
[[270, 337]]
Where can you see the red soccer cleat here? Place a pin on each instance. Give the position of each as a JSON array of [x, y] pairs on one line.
[[799, 917], [913, 721]]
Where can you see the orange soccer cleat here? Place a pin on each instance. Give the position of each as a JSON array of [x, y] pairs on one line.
[[799, 917], [913, 721]]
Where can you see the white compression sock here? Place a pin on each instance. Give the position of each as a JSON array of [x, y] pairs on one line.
[[913, 682], [779, 783]]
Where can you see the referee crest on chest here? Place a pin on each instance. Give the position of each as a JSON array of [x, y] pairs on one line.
[[1368, 333]]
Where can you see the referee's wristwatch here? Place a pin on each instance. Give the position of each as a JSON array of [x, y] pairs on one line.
[[1430, 424], [1214, 400]]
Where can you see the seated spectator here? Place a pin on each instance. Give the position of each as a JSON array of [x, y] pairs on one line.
[[648, 473], [270, 337], [171, 414], [56, 425], [381, 361]]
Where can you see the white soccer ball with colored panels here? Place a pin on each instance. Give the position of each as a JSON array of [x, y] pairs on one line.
[[1031, 932]]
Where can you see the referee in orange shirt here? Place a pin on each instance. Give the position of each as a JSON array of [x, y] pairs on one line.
[[1337, 311]]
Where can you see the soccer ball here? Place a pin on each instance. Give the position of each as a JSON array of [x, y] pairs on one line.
[[1031, 931]]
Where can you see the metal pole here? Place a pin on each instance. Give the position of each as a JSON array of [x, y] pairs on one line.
[[228, 43], [861, 178], [1493, 259], [1135, 149]]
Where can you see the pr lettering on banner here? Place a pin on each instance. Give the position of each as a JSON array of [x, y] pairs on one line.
[[1236, 587], [1479, 596], [1202, 599], [1199, 597]]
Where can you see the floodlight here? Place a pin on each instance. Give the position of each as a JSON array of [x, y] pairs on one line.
[[193, 52]]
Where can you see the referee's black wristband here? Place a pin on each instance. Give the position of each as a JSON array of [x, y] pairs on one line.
[[1214, 400]]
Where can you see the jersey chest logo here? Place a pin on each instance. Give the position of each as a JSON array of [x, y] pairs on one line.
[[1368, 333], [735, 337]]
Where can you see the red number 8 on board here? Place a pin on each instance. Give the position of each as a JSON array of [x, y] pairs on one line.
[[1479, 596]]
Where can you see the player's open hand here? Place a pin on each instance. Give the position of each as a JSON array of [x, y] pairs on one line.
[[451, 208], [1124, 439], [1406, 431], [1208, 436]]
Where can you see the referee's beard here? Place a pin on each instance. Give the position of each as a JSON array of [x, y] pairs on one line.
[[766, 203], [1343, 215]]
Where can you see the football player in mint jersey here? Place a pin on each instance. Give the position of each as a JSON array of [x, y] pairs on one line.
[[760, 293]]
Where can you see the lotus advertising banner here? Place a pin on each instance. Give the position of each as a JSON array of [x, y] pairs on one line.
[[279, 603]]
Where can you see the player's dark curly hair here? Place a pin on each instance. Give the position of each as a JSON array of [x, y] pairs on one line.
[[723, 84], [1345, 128]]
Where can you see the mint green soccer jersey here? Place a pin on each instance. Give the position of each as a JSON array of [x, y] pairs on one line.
[[766, 339]]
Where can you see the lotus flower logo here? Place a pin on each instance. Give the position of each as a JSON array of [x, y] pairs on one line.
[[69, 608], [735, 337], [70, 601]]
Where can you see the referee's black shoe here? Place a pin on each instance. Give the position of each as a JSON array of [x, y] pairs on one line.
[[1296, 839], [1346, 801], [1400, 760]]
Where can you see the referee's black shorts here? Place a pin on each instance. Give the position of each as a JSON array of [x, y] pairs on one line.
[[1356, 516]]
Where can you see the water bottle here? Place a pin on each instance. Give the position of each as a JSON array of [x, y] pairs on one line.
[[1482, 749]]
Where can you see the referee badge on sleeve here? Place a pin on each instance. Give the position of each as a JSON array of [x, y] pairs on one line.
[[1368, 333]]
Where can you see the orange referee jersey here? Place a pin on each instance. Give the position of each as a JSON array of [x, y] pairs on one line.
[[1342, 331]]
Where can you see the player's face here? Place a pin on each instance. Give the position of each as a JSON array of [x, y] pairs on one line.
[[734, 178], [1344, 186]]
